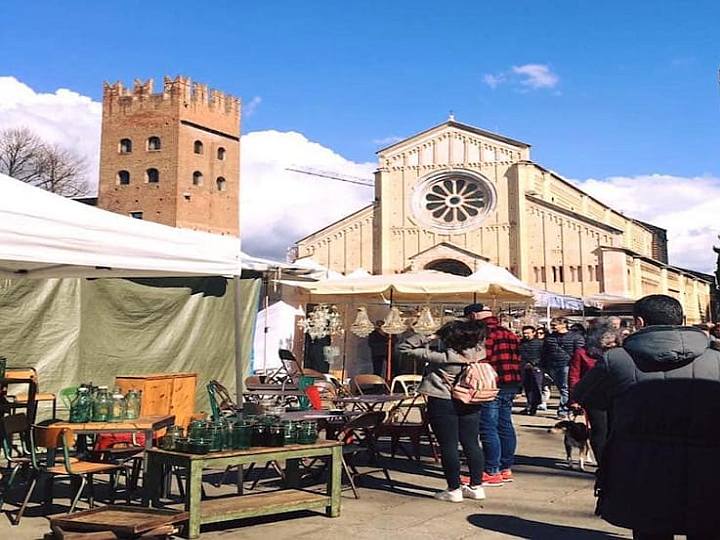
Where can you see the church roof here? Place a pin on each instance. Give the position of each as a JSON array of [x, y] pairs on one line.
[[465, 127]]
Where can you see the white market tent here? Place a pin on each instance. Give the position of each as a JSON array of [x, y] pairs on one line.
[[45, 235]]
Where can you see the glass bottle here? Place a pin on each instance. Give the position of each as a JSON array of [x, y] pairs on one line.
[[81, 407], [101, 405], [132, 405], [117, 406]]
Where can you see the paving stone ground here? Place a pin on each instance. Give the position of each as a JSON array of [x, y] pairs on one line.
[[547, 501]]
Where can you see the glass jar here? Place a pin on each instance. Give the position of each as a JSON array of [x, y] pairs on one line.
[[117, 406], [276, 435], [81, 406], [168, 441], [132, 405], [307, 432], [198, 446], [260, 433], [241, 435], [290, 429], [101, 405], [197, 429], [182, 444], [215, 434]]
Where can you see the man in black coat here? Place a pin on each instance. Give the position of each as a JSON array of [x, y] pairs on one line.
[[661, 467], [558, 349], [530, 354]]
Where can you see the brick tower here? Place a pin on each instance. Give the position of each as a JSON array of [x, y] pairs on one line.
[[171, 157]]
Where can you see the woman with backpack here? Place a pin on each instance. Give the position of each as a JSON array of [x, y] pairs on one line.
[[459, 344]]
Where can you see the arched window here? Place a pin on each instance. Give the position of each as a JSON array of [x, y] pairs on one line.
[[125, 146], [221, 153], [197, 178], [198, 147], [152, 176], [153, 143], [221, 184], [123, 178], [449, 266]]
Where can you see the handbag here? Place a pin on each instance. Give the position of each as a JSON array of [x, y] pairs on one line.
[[477, 383]]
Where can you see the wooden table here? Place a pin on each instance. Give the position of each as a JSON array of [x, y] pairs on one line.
[[278, 392], [147, 424], [243, 506]]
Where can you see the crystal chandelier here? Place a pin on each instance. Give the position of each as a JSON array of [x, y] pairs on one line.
[[394, 323], [322, 321], [363, 326], [425, 324]]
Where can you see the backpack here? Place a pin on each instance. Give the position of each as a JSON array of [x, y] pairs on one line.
[[477, 383]]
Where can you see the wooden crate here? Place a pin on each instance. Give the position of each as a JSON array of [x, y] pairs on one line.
[[163, 393]]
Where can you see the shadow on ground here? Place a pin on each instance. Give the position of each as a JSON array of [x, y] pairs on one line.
[[535, 530]]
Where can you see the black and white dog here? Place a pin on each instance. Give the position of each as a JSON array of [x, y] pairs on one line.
[[577, 435]]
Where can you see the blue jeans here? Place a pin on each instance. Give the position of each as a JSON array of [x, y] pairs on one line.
[[497, 432], [559, 376]]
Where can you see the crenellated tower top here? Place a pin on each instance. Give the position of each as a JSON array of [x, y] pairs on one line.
[[179, 91]]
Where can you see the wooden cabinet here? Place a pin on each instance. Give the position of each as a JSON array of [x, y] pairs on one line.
[[163, 393]]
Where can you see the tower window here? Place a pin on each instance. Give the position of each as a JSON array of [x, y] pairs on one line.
[[221, 184], [153, 143], [136, 215], [125, 146], [197, 178], [152, 176], [221, 153], [198, 147], [123, 178]]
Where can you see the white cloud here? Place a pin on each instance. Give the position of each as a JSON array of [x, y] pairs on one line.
[[64, 117], [279, 207], [528, 76], [251, 106], [387, 141], [688, 207]]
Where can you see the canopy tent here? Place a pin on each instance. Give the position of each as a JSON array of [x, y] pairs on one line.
[[423, 286], [43, 235], [46, 235]]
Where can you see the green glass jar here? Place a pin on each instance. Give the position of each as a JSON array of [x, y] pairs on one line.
[[172, 434], [307, 432], [198, 446], [81, 406], [290, 429], [132, 405], [197, 429], [241, 435], [101, 405], [276, 436], [182, 444], [260, 434]]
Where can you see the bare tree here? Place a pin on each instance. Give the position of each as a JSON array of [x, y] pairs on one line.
[[24, 156]]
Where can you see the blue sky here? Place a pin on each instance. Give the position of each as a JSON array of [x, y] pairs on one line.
[[636, 93]]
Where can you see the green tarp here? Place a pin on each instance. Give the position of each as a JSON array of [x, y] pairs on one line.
[[81, 330]]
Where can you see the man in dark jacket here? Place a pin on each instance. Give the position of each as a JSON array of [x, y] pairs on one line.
[[532, 376], [558, 350], [496, 428], [660, 466]]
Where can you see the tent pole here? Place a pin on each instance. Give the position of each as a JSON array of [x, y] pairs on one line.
[[344, 353], [239, 353], [388, 369], [266, 301]]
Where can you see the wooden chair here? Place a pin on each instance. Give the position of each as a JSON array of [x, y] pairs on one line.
[[31, 373], [53, 439], [9, 403], [406, 384], [359, 436], [361, 383]]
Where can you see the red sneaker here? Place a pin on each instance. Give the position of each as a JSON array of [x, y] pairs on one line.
[[492, 480], [507, 475]]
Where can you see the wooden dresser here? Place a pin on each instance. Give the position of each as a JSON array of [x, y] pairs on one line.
[[163, 393]]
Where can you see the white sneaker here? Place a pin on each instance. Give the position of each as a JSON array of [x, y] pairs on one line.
[[454, 495], [476, 493], [542, 407]]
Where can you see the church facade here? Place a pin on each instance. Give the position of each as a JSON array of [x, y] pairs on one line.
[[455, 195]]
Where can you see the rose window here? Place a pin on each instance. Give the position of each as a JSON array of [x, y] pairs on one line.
[[453, 200]]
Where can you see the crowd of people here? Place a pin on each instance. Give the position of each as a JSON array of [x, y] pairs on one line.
[[648, 394]]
